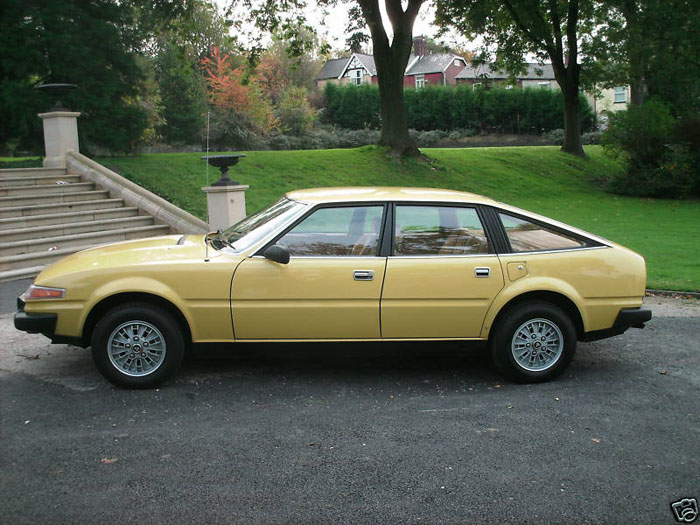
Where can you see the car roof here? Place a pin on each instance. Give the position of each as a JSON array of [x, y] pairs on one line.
[[384, 193]]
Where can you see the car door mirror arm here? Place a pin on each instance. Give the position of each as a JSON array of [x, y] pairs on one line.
[[277, 253]]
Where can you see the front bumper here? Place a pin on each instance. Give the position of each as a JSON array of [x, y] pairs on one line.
[[36, 323], [627, 318], [44, 324]]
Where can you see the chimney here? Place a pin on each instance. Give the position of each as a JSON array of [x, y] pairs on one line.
[[419, 46]]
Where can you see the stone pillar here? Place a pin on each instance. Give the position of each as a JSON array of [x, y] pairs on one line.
[[225, 204], [60, 136]]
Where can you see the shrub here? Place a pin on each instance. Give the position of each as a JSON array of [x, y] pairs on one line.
[[662, 155], [295, 114], [555, 137], [497, 110], [592, 137]]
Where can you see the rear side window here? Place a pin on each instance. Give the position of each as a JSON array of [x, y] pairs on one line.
[[438, 230], [526, 236]]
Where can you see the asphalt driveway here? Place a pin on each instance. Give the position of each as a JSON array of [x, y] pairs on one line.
[[372, 433]]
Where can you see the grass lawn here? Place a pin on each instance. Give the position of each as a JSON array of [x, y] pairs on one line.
[[20, 162], [541, 179]]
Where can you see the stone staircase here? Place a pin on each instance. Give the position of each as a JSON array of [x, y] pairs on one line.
[[48, 213]]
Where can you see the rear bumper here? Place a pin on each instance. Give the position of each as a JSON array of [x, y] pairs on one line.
[[627, 318]]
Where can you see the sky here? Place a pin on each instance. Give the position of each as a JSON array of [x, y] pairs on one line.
[[333, 28]]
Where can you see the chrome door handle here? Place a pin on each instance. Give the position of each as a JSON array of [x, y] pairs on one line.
[[363, 275], [482, 271]]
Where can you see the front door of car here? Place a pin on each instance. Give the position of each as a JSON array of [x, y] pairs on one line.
[[442, 275], [331, 287]]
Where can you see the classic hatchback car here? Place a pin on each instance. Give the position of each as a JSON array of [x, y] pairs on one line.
[[345, 264]]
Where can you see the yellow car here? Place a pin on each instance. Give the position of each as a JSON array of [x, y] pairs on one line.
[[345, 264]]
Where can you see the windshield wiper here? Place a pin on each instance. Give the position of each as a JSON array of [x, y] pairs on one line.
[[218, 238]]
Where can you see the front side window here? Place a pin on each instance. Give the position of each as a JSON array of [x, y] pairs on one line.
[[337, 231], [438, 230], [420, 81], [526, 236]]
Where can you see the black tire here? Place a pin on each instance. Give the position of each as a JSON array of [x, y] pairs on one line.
[[158, 329], [521, 318]]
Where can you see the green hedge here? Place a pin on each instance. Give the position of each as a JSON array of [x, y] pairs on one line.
[[461, 107]]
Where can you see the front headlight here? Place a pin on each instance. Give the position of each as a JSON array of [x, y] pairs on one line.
[[43, 292]]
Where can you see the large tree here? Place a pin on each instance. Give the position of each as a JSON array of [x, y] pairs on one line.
[[547, 29], [391, 53], [91, 43], [651, 45], [72, 41]]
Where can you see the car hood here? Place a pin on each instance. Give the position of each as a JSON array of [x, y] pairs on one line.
[[152, 250]]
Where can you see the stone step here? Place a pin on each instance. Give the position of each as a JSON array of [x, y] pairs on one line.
[[38, 232], [79, 239], [20, 273], [11, 265], [31, 172], [32, 200], [41, 190], [31, 221], [40, 180], [44, 209]]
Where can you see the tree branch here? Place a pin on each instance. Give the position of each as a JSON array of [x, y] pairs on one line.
[[523, 27]]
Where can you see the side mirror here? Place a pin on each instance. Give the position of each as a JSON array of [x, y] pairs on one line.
[[277, 253]]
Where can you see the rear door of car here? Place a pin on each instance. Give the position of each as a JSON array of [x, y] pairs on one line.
[[442, 273]]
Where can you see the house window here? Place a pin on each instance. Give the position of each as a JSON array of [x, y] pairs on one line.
[[543, 85], [457, 62], [620, 95], [356, 76], [420, 81], [477, 85]]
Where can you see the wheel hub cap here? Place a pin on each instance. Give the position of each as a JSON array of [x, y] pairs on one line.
[[546, 348], [136, 348]]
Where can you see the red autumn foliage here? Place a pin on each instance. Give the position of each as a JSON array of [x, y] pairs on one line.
[[227, 91]]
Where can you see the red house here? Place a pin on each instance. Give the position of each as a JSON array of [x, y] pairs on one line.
[[423, 68]]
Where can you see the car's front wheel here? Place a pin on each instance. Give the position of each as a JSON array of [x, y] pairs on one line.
[[137, 345], [533, 341]]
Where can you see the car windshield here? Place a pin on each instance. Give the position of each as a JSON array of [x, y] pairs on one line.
[[257, 226]]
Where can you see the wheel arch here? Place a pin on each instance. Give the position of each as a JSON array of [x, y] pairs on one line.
[[107, 303], [555, 298]]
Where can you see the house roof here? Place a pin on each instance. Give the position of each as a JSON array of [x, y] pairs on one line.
[[368, 62], [486, 71], [332, 69], [435, 63]]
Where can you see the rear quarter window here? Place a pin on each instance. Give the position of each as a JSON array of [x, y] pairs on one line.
[[527, 236]]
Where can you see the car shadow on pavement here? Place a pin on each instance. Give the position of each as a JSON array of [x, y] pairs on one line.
[[360, 359]]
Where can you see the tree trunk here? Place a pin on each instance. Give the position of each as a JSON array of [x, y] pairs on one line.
[[391, 60], [636, 53], [572, 126], [394, 115]]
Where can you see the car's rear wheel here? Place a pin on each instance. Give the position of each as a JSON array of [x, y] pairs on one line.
[[137, 346], [533, 341]]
